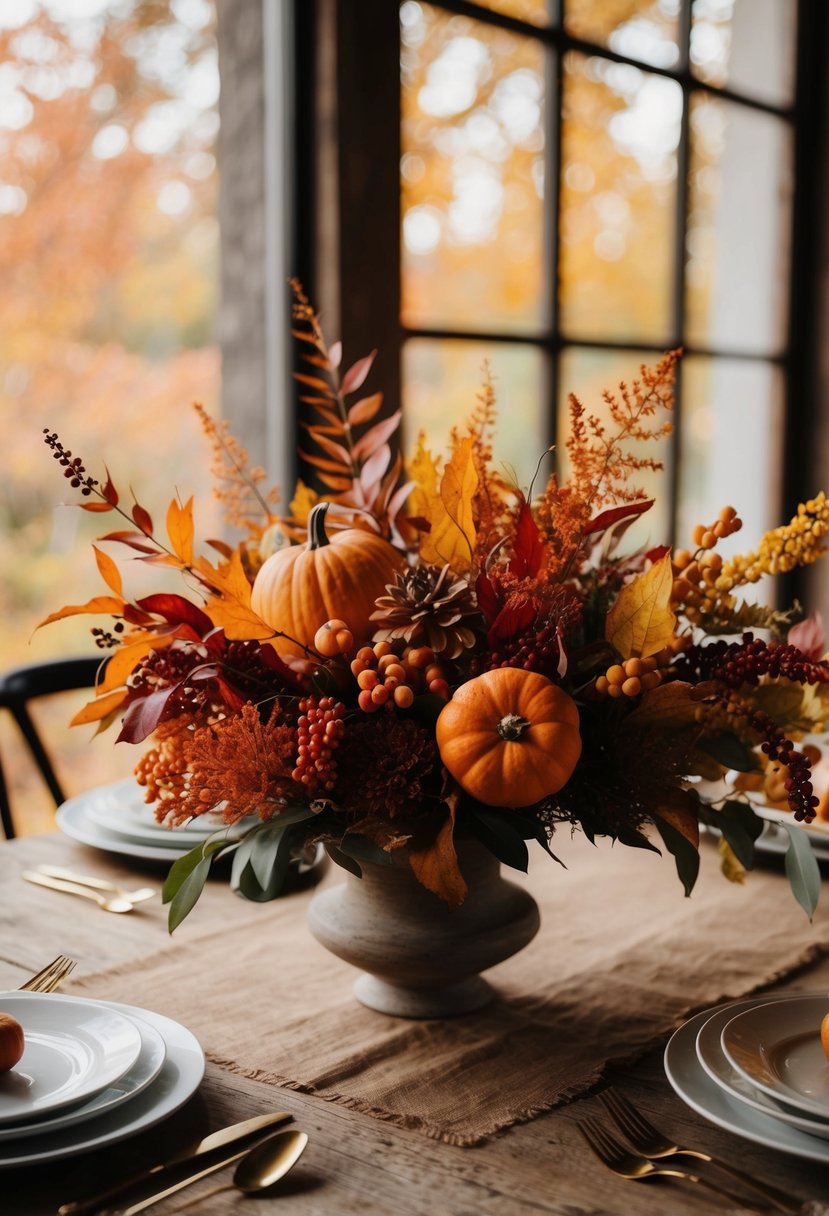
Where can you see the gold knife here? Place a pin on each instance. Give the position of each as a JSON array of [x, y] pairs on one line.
[[229, 1137]]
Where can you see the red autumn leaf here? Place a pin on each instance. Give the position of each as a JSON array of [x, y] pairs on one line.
[[98, 507], [176, 610], [357, 373], [510, 621], [528, 550], [487, 599], [135, 616], [221, 546], [436, 867], [109, 492], [657, 553], [808, 636], [606, 519], [142, 518], [135, 540]]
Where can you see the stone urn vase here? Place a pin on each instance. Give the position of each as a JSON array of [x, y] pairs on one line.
[[419, 958]]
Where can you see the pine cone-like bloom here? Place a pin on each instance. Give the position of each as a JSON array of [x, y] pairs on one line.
[[428, 606]]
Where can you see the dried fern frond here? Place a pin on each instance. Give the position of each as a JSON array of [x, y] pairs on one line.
[[238, 485]]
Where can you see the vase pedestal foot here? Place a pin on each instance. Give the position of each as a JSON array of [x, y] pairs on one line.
[[445, 1001]]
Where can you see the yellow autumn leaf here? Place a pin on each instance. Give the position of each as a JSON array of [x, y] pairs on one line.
[[668, 706], [180, 530], [108, 571], [423, 469], [452, 535], [641, 622], [730, 864], [303, 500]]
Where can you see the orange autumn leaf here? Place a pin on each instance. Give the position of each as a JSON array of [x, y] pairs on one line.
[[678, 808], [641, 622], [108, 570], [436, 867], [228, 606], [180, 529], [124, 660], [94, 711], [99, 604], [452, 534]]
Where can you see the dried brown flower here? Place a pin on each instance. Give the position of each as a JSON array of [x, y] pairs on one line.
[[428, 606]]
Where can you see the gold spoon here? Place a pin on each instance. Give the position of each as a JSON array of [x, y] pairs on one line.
[[257, 1170], [109, 903], [98, 884]]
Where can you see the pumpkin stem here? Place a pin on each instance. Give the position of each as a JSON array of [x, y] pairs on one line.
[[316, 526], [512, 727]]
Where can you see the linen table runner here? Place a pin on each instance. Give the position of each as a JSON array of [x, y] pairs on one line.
[[621, 959]]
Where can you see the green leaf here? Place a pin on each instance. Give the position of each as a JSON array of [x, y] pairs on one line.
[[496, 833], [181, 869], [342, 859], [802, 869], [636, 840], [684, 853], [360, 848], [187, 895], [740, 827], [729, 751]]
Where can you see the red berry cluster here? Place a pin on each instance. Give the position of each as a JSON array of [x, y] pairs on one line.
[[319, 731], [798, 785], [536, 649], [747, 661]]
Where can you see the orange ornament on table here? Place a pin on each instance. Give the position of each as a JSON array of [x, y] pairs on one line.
[[12, 1041], [304, 585], [510, 737]]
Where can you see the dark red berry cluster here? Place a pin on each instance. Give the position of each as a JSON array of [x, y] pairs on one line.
[[104, 639], [780, 750], [319, 731], [747, 661], [535, 649], [72, 465]]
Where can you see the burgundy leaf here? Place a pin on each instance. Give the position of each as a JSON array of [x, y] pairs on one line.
[[176, 610], [528, 551], [144, 715], [109, 492], [142, 518], [656, 554], [605, 519], [357, 373]]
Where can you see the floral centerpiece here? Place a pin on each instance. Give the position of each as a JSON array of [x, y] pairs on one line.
[[428, 651]]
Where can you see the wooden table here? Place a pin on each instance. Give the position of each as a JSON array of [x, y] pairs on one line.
[[354, 1163]]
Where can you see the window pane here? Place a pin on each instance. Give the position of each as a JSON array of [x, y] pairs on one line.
[[472, 175], [441, 383], [587, 373], [748, 45], [641, 29], [620, 134], [730, 408], [738, 227], [539, 12]]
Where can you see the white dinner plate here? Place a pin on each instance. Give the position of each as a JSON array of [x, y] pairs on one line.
[[73, 1050], [120, 808], [72, 819], [143, 1072], [777, 1048], [179, 1078], [715, 1062], [694, 1086]]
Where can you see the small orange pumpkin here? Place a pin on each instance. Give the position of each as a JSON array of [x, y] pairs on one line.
[[301, 587], [510, 737]]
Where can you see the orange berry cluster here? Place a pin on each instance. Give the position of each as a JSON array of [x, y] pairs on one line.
[[629, 679], [698, 576], [319, 730], [391, 681]]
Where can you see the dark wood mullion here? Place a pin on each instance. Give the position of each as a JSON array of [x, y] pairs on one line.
[[683, 161], [552, 188], [803, 383]]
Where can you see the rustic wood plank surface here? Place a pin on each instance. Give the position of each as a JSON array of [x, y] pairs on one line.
[[354, 1163]]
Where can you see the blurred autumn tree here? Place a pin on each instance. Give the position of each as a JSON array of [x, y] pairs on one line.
[[108, 254]]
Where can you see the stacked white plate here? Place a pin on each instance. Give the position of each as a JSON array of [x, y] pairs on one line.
[[757, 1068], [117, 819], [92, 1072]]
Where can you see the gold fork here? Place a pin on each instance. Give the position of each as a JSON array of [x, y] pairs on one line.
[[51, 976], [634, 1167], [649, 1141]]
